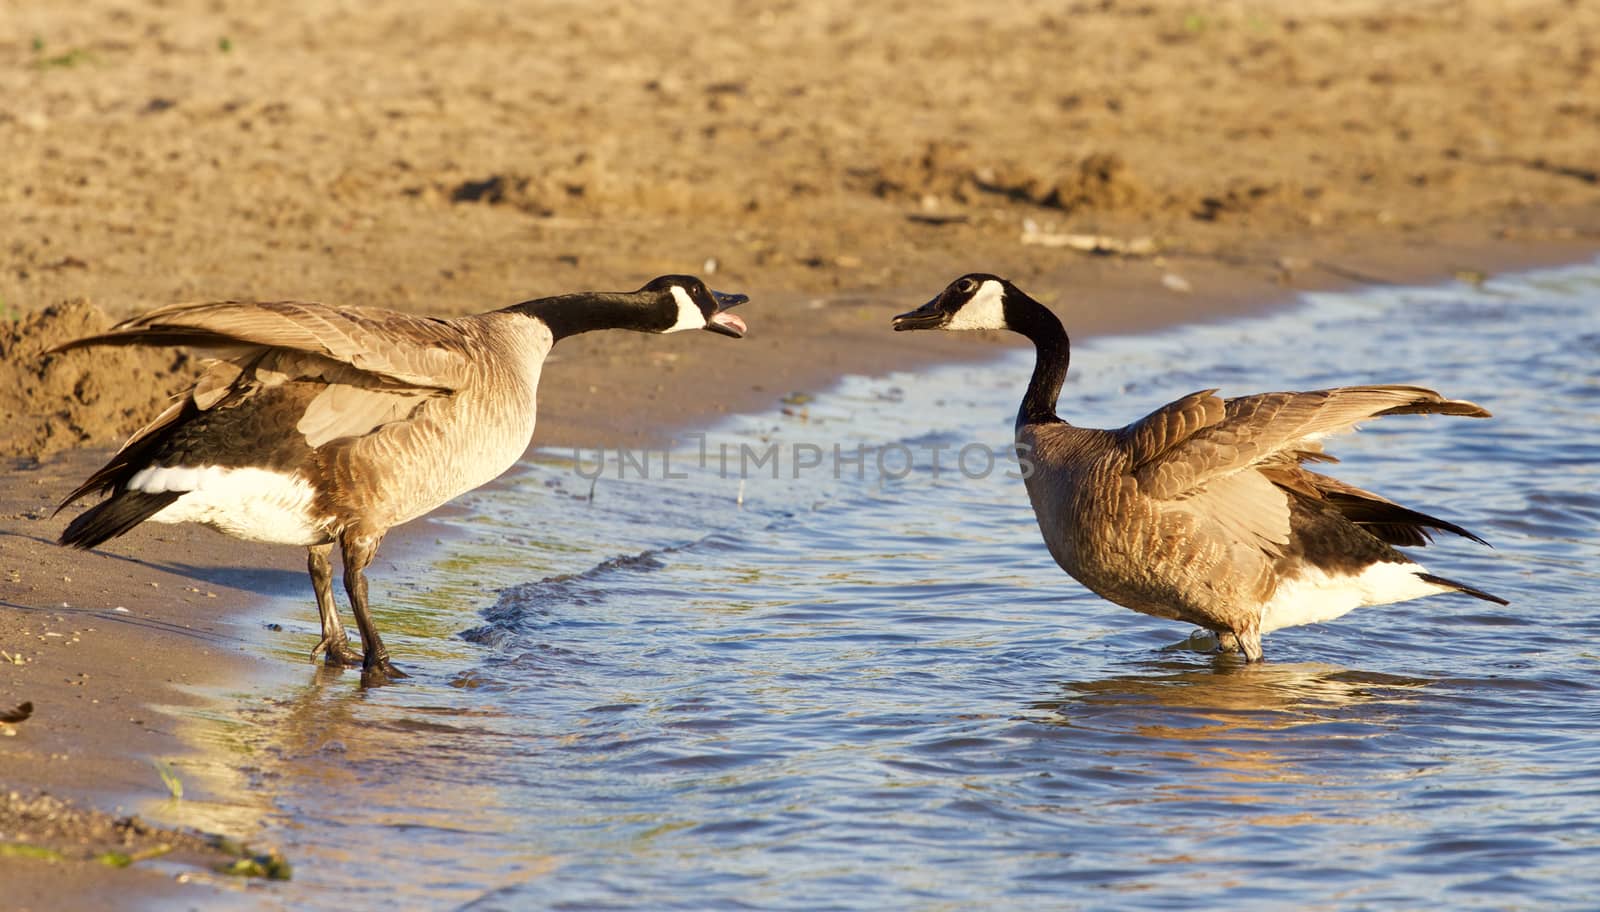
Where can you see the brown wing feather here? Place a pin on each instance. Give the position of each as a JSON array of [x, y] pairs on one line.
[[1389, 521], [1154, 435], [129, 454], [1254, 429], [407, 349], [351, 403]]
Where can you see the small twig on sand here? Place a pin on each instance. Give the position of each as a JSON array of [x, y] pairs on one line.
[[1100, 244]]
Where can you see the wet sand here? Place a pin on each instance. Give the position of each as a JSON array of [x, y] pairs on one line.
[[837, 167]]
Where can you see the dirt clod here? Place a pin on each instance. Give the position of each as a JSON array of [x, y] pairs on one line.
[[53, 401]]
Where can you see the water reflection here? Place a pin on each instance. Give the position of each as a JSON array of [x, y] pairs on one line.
[[1230, 723], [420, 784], [1229, 692]]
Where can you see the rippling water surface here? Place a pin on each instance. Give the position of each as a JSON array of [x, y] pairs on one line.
[[862, 690]]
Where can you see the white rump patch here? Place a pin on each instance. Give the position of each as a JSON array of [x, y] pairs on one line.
[[689, 315], [247, 503], [984, 310], [1315, 596], [160, 479]]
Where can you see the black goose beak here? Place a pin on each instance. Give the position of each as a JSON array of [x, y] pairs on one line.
[[726, 323], [928, 316]]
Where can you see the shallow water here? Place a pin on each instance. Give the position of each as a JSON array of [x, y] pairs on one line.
[[859, 690]]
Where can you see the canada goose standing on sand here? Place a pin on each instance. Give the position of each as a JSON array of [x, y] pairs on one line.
[[1202, 511], [319, 425]]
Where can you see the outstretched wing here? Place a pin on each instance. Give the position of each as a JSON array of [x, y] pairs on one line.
[[401, 348], [1237, 461], [365, 368], [1187, 444]]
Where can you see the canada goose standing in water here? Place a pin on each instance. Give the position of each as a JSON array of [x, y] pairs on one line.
[[1202, 510], [319, 425]]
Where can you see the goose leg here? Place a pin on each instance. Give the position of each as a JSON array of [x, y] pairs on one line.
[[334, 641], [1249, 642], [358, 552]]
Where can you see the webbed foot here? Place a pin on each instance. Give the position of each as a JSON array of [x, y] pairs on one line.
[[1204, 642], [1247, 643], [1223, 642], [378, 671], [338, 651]]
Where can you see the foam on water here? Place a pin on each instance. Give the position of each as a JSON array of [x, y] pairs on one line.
[[859, 691]]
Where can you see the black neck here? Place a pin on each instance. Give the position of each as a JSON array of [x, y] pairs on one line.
[[1052, 352], [569, 315]]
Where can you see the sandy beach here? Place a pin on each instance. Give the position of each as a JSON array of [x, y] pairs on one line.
[[1134, 166]]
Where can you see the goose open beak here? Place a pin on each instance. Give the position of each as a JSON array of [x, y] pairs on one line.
[[928, 316], [723, 322]]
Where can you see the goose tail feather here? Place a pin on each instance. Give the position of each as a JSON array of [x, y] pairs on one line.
[[1462, 588], [110, 518]]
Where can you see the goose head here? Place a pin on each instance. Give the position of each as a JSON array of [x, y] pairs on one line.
[[680, 302], [974, 301]]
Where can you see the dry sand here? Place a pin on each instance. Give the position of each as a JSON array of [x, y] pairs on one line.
[[838, 162]]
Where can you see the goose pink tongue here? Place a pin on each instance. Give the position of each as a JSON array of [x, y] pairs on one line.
[[728, 320]]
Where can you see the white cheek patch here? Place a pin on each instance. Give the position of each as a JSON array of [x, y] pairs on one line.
[[689, 315], [984, 310]]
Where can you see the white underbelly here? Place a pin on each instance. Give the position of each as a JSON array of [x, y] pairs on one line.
[[248, 503], [1315, 596]]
